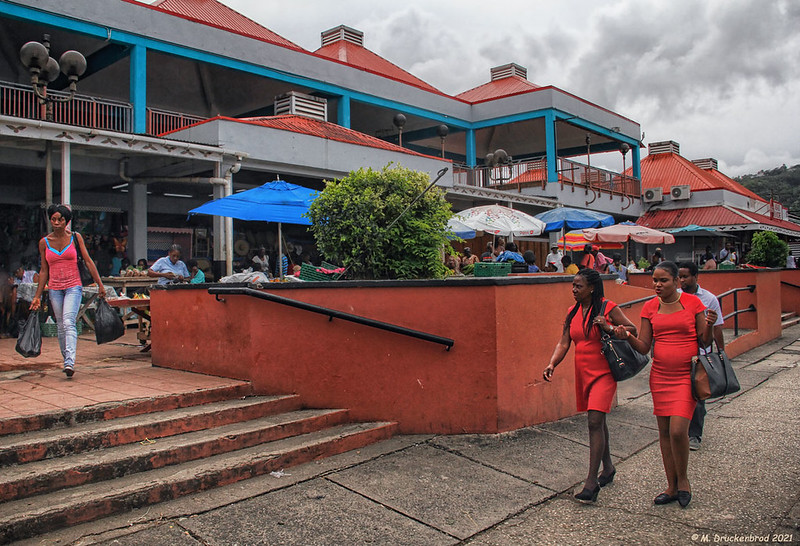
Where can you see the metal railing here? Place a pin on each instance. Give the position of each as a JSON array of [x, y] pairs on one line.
[[734, 314], [331, 313], [533, 173], [83, 111], [164, 121]]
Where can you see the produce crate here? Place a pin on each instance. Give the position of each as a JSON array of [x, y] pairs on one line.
[[492, 269], [50, 329], [726, 266], [310, 272]]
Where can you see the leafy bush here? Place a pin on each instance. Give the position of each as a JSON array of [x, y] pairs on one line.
[[350, 219], [768, 250]]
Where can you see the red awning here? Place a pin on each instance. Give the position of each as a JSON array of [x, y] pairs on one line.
[[721, 218]]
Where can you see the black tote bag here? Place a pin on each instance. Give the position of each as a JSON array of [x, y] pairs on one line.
[[713, 375], [623, 360]]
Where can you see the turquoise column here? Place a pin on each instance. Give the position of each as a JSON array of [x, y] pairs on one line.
[[636, 158], [550, 146], [343, 111], [138, 88], [470, 145]]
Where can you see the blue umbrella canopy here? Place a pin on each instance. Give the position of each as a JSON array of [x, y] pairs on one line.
[[568, 218], [276, 201]]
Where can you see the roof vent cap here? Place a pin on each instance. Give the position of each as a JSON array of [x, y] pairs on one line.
[[343, 32], [664, 147], [508, 70], [300, 104], [707, 163]]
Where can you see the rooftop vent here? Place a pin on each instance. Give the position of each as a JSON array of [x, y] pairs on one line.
[[300, 104], [342, 33], [508, 70], [706, 164], [664, 147]]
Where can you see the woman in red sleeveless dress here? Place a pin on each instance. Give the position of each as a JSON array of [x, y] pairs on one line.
[[594, 385], [673, 324]]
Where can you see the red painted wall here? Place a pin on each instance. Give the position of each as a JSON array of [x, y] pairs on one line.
[[790, 295]]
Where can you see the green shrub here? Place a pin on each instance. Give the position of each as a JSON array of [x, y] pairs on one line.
[[351, 215], [767, 250]]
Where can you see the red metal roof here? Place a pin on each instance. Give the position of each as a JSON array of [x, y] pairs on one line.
[[709, 217], [216, 14], [665, 170], [502, 87], [361, 57], [317, 128]]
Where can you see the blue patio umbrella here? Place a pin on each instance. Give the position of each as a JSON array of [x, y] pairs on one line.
[[565, 218], [276, 201]]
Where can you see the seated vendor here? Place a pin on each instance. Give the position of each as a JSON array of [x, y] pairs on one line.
[[510, 254], [169, 268], [196, 274]]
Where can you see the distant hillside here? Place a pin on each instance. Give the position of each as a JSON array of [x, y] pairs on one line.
[[782, 184]]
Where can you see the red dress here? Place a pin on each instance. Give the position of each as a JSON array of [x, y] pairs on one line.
[[675, 343], [594, 385]]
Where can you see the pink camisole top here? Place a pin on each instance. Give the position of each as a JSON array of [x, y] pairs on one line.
[[63, 266]]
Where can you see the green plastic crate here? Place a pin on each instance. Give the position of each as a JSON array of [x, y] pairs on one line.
[[492, 269], [50, 329], [726, 266], [310, 272]]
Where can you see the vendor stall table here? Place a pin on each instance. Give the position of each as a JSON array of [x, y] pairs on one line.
[[123, 283], [141, 308]]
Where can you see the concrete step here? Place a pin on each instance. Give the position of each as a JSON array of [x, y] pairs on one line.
[[44, 444], [124, 408], [787, 315], [790, 322], [44, 476], [24, 518]]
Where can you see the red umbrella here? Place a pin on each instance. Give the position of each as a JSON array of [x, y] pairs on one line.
[[621, 233]]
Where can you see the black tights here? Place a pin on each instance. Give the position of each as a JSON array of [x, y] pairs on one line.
[[598, 448]]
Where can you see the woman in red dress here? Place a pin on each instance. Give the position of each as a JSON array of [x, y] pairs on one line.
[[673, 324], [594, 385]]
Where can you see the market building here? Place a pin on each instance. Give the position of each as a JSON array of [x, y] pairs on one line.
[[187, 100]]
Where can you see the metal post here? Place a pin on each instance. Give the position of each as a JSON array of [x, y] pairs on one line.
[[736, 316]]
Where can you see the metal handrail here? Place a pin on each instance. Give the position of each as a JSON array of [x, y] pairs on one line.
[[332, 313], [736, 311], [790, 284]]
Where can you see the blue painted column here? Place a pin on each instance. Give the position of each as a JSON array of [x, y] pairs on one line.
[[550, 146], [138, 88], [470, 145], [636, 158], [343, 111]]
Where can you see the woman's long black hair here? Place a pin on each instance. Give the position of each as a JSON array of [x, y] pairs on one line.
[[593, 279]]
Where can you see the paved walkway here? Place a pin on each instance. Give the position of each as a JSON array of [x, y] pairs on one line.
[[515, 488]]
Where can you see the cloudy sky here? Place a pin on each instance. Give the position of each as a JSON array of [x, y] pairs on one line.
[[720, 77]]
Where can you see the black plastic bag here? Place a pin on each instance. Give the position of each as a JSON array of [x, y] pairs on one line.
[[108, 325], [29, 342]]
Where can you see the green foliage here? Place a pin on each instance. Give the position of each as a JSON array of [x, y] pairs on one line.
[[768, 250], [350, 219], [643, 263], [782, 184]]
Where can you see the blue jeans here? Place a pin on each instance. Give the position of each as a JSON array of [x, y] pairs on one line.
[[66, 304]]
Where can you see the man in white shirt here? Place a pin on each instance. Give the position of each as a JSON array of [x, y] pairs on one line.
[[554, 259], [687, 275]]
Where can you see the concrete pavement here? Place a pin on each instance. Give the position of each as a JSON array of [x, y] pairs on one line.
[[516, 488]]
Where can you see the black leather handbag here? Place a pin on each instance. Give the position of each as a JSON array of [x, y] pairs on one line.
[[713, 376], [624, 360], [83, 271]]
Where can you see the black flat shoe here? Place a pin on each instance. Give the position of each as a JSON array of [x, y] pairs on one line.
[[684, 497], [665, 498], [603, 481], [589, 495], [69, 372]]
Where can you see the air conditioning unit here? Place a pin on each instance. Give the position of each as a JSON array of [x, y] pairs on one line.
[[653, 195], [680, 193]]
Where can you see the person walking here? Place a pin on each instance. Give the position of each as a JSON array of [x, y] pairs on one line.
[[59, 271], [687, 275], [594, 385], [672, 325]]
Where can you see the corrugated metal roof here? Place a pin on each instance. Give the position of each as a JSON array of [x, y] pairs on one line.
[[360, 57], [502, 87], [215, 14], [665, 170], [709, 217], [320, 129]]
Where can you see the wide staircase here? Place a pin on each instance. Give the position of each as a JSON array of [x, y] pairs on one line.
[[789, 318], [76, 466]]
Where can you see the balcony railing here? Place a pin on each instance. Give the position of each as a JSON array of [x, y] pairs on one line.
[[533, 173], [84, 111], [164, 121]]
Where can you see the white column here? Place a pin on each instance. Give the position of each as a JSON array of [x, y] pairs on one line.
[[137, 222], [66, 178]]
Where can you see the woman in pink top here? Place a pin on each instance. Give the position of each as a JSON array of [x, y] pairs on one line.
[[59, 256]]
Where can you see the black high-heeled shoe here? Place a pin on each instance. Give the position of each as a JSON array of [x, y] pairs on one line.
[[684, 497], [665, 498], [603, 481], [589, 495]]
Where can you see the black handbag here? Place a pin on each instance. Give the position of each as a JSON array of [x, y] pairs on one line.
[[83, 271], [713, 376], [623, 360]]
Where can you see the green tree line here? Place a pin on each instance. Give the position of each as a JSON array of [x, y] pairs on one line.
[[781, 184]]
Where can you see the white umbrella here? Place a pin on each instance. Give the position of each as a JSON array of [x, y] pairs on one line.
[[500, 220]]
